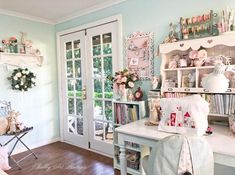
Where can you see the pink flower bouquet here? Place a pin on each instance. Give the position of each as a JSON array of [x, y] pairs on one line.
[[123, 80]]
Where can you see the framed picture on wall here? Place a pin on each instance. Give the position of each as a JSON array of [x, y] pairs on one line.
[[139, 53]]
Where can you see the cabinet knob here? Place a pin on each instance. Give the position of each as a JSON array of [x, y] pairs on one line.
[[182, 45], [205, 90], [170, 89], [210, 41], [187, 89], [229, 90]]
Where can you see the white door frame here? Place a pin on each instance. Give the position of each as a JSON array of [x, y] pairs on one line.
[[119, 62]]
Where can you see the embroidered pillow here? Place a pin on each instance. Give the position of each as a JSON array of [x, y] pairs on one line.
[[184, 115], [3, 125]]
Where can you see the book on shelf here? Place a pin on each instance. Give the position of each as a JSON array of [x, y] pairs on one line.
[[125, 113], [219, 104]]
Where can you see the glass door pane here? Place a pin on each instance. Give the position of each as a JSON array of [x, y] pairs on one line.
[[102, 92]]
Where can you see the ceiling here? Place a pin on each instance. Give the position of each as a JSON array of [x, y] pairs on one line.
[[53, 11]]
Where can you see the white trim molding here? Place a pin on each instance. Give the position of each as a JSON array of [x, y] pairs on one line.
[[25, 16], [63, 19], [89, 10]]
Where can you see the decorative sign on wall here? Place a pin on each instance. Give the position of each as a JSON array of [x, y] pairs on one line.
[[139, 54]]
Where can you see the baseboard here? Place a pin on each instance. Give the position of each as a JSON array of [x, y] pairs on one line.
[[101, 153], [43, 143]]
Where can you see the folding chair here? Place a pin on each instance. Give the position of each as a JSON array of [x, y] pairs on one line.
[[5, 108]]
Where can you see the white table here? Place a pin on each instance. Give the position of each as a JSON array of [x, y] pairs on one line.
[[222, 141]]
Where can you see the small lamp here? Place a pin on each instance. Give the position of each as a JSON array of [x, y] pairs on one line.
[[216, 82]]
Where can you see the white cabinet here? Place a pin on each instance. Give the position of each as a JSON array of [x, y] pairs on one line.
[[176, 80], [125, 112], [16, 59]]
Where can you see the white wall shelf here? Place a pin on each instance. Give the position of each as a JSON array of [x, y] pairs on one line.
[[19, 60], [195, 44]]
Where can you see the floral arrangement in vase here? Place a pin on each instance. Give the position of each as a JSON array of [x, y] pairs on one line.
[[123, 81], [22, 45], [10, 45]]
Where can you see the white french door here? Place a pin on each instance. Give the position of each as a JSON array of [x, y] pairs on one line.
[[73, 86], [102, 56], [88, 56]]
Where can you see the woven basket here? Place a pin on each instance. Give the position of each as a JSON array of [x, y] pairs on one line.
[[231, 121]]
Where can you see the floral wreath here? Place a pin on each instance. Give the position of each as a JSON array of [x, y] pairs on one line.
[[22, 79]]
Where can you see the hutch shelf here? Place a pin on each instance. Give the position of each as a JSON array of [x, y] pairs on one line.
[[175, 79]]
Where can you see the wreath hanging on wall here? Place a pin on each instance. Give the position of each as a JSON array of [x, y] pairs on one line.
[[22, 79]]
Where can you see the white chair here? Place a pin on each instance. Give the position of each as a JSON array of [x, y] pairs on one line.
[[180, 155]]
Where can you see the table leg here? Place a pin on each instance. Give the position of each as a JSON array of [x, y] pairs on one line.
[[123, 165]]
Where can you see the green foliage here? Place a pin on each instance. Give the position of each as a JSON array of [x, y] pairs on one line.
[[22, 79], [108, 108], [96, 94]]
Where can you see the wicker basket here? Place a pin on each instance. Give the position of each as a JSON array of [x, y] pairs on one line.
[[133, 159], [231, 122], [133, 164]]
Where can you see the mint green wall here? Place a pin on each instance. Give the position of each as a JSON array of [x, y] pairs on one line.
[[39, 106], [150, 15], [154, 15]]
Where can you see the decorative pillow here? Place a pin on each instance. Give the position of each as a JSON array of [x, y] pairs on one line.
[[3, 125], [4, 165], [184, 115]]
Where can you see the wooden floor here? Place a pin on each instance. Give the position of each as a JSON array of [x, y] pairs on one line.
[[63, 159]]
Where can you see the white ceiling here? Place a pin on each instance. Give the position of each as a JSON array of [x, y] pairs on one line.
[[52, 11]]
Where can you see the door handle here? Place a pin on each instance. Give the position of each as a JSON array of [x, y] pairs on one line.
[[84, 94]]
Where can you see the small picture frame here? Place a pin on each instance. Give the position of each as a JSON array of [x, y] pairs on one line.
[[139, 54]]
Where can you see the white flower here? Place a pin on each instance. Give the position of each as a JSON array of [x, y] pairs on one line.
[[27, 72], [19, 74], [25, 86], [124, 79], [23, 72], [33, 79], [21, 83], [15, 78], [131, 84], [17, 86]]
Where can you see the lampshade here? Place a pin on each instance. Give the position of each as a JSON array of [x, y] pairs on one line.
[[216, 82]]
